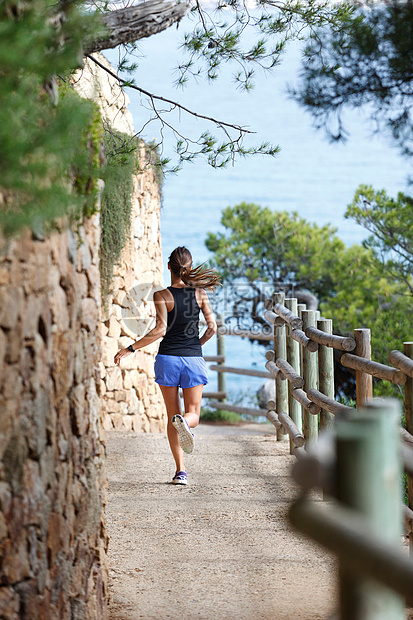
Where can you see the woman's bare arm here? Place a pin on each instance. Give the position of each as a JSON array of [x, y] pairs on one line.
[[209, 318], [157, 332]]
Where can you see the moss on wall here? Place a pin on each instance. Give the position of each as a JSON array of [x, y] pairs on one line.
[[121, 165]]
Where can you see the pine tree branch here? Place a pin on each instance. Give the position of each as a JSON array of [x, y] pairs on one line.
[[153, 97], [137, 22]]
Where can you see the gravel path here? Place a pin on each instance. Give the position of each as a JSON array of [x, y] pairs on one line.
[[218, 549]]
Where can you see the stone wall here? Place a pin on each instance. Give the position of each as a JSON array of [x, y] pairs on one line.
[[52, 480], [54, 377], [130, 398]]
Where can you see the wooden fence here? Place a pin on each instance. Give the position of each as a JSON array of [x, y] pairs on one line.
[[356, 461], [218, 399]]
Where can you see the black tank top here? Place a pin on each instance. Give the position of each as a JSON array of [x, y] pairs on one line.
[[182, 329]]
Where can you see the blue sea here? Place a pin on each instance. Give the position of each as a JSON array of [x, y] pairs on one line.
[[310, 175]]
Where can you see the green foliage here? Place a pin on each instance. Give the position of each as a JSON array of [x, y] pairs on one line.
[[48, 159], [262, 251], [220, 416], [153, 160], [116, 204], [220, 38], [367, 61], [262, 246], [390, 223]]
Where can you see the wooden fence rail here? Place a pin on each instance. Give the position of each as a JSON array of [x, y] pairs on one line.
[[365, 537]]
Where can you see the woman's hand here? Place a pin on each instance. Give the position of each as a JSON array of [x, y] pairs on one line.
[[120, 354]]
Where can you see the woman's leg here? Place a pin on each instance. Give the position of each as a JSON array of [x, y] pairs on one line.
[[192, 402], [173, 406]]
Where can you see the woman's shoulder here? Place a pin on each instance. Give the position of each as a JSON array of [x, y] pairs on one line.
[[163, 293]]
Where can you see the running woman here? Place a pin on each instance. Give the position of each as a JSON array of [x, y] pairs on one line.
[[179, 362]]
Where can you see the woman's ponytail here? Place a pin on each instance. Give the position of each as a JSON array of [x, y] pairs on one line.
[[180, 262]]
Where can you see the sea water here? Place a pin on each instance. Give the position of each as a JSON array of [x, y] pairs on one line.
[[310, 175]]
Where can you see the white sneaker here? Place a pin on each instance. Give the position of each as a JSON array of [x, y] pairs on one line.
[[180, 478], [185, 437]]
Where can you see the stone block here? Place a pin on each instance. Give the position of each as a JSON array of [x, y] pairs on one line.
[[89, 315], [136, 422], [63, 448], [129, 278], [114, 378], [9, 603], [70, 284], [3, 529], [116, 311], [123, 407], [109, 404], [53, 277], [33, 605], [94, 405], [141, 385], [8, 410], [102, 388], [127, 422], [91, 351], [127, 377], [83, 284], [117, 420], [93, 277], [30, 316], [47, 473], [109, 349], [120, 395], [84, 256], [114, 328], [14, 343], [63, 361], [4, 274], [138, 228], [15, 560], [3, 342], [33, 490], [11, 305], [59, 249], [63, 416], [102, 370], [58, 535], [59, 309], [145, 426], [107, 422], [42, 260], [121, 299], [79, 409], [79, 358]]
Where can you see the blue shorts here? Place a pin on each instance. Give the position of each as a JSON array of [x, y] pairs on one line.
[[185, 372]]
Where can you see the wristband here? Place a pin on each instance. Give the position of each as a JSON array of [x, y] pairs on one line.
[[131, 349]]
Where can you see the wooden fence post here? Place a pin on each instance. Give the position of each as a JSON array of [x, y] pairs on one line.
[[364, 382], [368, 480], [310, 375], [408, 400], [300, 309], [326, 373], [221, 351], [293, 357], [280, 349]]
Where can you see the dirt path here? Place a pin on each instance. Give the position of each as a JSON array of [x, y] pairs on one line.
[[218, 549]]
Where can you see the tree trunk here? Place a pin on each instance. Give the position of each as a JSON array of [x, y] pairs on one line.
[[137, 22]]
